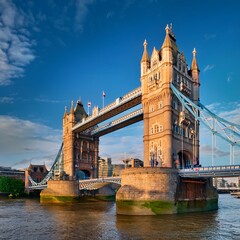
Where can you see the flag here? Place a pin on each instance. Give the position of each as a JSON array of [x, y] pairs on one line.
[[89, 104], [104, 94]]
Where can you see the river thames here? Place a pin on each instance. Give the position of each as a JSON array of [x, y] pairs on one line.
[[28, 219]]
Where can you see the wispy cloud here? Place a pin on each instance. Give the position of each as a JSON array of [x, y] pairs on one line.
[[209, 36], [206, 149], [125, 143], [109, 15], [82, 10], [6, 100], [230, 112], [208, 68], [22, 139], [229, 77], [47, 100], [16, 48]]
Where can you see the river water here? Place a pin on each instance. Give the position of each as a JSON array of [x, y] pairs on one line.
[[28, 219]]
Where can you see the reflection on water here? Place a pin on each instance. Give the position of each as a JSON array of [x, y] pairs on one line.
[[28, 219], [184, 226]]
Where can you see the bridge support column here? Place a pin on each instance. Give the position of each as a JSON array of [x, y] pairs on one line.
[[147, 191], [60, 191], [155, 191]]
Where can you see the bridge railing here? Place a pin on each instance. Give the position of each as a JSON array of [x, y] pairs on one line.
[[211, 171]]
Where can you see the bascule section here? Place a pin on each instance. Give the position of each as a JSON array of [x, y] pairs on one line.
[[170, 131]]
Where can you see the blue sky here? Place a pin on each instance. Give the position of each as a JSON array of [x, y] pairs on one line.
[[56, 51]]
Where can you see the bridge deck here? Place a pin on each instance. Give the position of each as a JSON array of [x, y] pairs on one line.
[[196, 172], [217, 171]]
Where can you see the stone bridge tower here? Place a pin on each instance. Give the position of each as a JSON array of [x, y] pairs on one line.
[[170, 139], [80, 150], [170, 133]]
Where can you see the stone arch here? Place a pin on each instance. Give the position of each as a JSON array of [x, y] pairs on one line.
[[87, 173], [80, 175], [185, 159]]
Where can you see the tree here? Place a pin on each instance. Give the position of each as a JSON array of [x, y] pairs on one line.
[[12, 186]]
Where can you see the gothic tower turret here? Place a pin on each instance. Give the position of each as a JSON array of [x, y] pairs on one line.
[[195, 76], [168, 127], [68, 140], [145, 62]]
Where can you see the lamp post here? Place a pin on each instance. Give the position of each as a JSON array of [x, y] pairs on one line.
[[92, 170]]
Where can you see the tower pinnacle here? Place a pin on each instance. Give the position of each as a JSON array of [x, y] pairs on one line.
[[145, 57]]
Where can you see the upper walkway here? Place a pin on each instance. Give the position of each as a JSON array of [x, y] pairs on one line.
[[121, 104]]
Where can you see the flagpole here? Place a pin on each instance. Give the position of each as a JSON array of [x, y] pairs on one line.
[[103, 96], [89, 105], [102, 101]]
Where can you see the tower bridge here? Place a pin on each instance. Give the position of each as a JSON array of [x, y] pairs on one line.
[[171, 113]]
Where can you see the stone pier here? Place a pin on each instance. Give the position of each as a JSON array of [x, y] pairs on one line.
[[155, 191], [60, 191]]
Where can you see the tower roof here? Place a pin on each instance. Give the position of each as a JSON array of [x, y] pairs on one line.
[[145, 57], [194, 65], [169, 40], [79, 111]]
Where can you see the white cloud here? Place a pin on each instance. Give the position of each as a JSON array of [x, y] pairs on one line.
[[208, 68], [23, 141], [229, 77], [230, 112], [124, 143], [6, 100], [82, 12], [16, 46]]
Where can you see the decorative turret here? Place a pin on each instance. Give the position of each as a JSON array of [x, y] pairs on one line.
[[72, 108], [167, 41], [169, 45], [194, 67], [65, 112], [145, 62], [80, 112], [195, 76]]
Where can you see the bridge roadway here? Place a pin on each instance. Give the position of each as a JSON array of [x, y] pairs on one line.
[[121, 104], [212, 171], [196, 172]]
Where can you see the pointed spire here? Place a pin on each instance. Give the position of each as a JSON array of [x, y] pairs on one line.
[[145, 57], [194, 65], [194, 68], [65, 111], [72, 107], [167, 41]]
